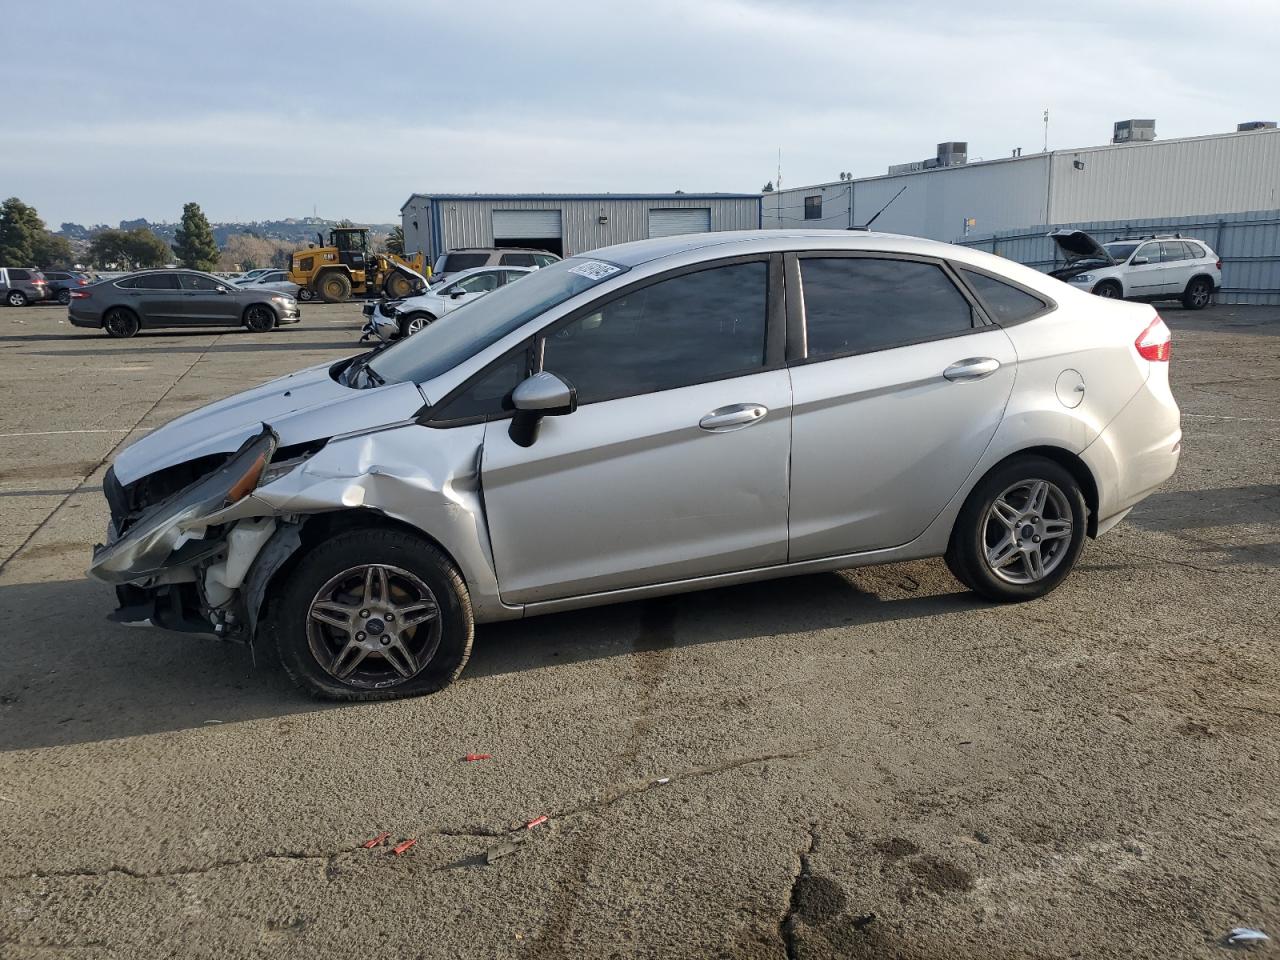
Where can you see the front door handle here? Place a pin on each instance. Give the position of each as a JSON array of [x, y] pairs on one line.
[[973, 368], [724, 419]]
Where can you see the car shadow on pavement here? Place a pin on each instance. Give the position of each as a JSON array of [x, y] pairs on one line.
[[72, 677], [1188, 514]]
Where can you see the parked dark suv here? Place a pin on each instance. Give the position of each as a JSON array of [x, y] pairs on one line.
[[177, 298], [22, 285], [62, 282]]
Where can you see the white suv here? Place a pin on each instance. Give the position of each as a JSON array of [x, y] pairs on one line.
[[1140, 268]]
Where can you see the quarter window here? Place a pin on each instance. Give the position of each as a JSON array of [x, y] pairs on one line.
[[486, 396], [1005, 303], [693, 328], [858, 304], [813, 207]]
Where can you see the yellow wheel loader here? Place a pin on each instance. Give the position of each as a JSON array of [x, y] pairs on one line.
[[344, 266]]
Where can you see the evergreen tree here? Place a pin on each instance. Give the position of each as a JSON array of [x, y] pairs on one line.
[[21, 229], [194, 243]]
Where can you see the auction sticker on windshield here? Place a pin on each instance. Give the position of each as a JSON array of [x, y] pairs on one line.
[[595, 269]]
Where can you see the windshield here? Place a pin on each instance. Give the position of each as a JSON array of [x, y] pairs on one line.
[[442, 345], [1120, 251]]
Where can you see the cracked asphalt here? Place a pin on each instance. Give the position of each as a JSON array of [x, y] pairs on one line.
[[873, 763]]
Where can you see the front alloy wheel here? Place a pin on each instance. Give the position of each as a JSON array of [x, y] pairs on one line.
[[370, 613], [374, 626]]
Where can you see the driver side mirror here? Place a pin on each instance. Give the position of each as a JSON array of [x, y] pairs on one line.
[[1139, 261], [456, 294], [542, 395]]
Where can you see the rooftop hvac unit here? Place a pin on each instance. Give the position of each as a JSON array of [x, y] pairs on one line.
[[1256, 125], [1132, 131], [953, 152]]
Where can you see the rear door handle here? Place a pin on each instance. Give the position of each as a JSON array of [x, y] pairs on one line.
[[724, 419], [973, 368]]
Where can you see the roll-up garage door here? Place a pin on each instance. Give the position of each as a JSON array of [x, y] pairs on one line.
[[669, 223], [526, 224]]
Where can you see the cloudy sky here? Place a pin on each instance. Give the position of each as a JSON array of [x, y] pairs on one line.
[[265, 110]]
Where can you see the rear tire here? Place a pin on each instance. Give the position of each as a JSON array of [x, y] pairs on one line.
[[337, 593], [259, 319], [1198, 293], [414, 322], [16, 298], [397, 286], [64, 297], [1020, 531], [121, 324], [335, 287], [305, 294], [1108, 290]]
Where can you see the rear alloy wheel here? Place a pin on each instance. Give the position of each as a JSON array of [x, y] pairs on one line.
[[335, 287], [1108, 290], [259, 319], [64, 297], [16, 298], [120, 323], [305, 294], [1020, 532], [1198, 294], [414, 322], [372, 614]]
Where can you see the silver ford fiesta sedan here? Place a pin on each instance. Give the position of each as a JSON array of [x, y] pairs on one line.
[[645, 419]]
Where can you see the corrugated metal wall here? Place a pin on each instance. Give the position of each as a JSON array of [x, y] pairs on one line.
[[933, 203], [466, 222], [1248, 243], [1232, 173]]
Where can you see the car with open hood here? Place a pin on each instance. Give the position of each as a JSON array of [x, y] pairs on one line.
[[650, 418], [1149, 268]]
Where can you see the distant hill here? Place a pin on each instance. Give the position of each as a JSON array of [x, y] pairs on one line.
[[299, 231]]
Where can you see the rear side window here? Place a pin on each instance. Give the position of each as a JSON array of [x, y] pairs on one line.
[[454, 262], [15, 274], [858, 304], [152, 281], [517, 260], [1004, 302], [689, 329]]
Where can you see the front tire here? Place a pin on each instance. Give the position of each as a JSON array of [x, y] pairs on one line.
[[64, 297], [1020, 531], [16, 298], [413, 323], [120, 324], [1198, 293], [259, 319], [372, 614], [1108, 290], [305, 294]]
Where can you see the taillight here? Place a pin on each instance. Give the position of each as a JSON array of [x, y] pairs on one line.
[[82, 282], [1218, 264], [1155, 342], [79, 295]]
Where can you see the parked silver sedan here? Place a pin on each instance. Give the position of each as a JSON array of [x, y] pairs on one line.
[[649, 418]]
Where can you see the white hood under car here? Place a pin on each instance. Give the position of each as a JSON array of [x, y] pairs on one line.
[[301, 407]]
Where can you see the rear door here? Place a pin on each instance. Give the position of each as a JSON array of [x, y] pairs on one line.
[[899, 387], [156, 298], [1176, 259], [675, 463]]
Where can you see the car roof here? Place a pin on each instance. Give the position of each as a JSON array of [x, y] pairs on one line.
[[500, 250], [731, 243]]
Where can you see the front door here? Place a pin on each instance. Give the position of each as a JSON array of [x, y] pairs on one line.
[[675, 463], [895, 402], [157, 299], [203, 304], [1146, 279]]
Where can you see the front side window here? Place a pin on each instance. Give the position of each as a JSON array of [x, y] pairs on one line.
[[1149, 250], [858, 304], [544, 260], [813, 207], [693, 328], [1004, 302], [196, 281]]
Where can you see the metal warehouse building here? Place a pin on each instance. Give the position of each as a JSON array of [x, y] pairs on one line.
[[1219, 174], [567, 223]]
